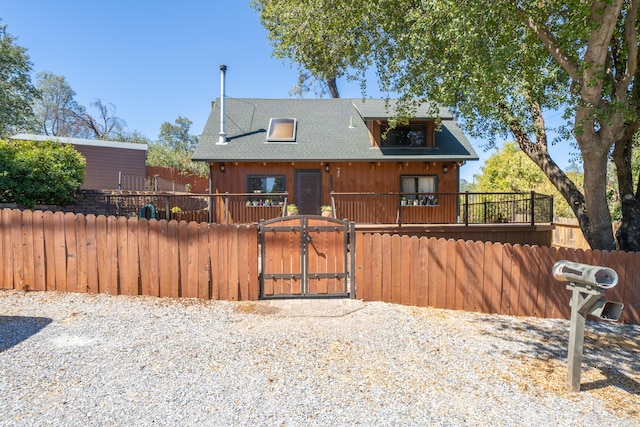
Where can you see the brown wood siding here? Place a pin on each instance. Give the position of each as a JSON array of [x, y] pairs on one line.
[[343, 177], [104, 163]]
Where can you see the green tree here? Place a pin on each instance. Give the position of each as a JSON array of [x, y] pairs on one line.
[[318, 72], [39, 172], [499, 65], [510, 170], [177, 137], [17, 93], [56, 110], [134, 136], [175, 147]]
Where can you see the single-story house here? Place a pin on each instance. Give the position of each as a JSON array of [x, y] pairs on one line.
[[310, 148], [107, 161]]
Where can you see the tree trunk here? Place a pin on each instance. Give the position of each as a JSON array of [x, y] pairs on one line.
[[560, 180], [628, 235], [539, 154], [600, 234], [333, 87]]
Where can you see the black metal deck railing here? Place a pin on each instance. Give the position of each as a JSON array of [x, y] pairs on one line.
[[444, 208], [225, 208], [362, 208]]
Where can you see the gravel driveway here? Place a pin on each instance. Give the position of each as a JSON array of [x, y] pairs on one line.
[[80, 360]]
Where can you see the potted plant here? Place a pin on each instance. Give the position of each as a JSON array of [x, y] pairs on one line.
[[327, 211], [403, 201], [292, 210]]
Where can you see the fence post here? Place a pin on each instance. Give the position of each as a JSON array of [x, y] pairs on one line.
[[352, 259], [484, 211], [532, 204], [210, 193], [226, 208], [166, 203], [466, 208], [119, 200], [210, 208], [333, 205]]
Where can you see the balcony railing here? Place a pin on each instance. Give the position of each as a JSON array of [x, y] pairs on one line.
[[362, 208], [443, 208], [225, 208]]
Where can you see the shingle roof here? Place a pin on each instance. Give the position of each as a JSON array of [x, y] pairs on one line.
[[329, 129]]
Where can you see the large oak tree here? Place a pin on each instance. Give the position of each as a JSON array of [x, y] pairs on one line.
[[501, 66]]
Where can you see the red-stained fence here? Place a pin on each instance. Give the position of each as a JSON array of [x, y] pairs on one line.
[[120, 256], [482, 277]]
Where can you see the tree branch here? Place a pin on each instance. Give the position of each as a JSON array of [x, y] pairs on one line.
[[569, 64]]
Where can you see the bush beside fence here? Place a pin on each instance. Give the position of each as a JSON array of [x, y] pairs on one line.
[[119, 256], [482, 277]]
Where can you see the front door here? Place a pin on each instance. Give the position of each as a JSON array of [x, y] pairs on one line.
[[308, 191]]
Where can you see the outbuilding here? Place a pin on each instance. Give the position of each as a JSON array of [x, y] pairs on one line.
[[107, 161]]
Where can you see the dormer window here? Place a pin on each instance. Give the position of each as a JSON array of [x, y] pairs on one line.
[[412, 135], [404, 136], [282, 130]]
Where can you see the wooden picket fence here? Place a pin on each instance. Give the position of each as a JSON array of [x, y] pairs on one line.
[[120, 256], [130, 256], [483, 277]]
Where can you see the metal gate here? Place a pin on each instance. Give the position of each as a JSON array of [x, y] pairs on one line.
[[306, 256]]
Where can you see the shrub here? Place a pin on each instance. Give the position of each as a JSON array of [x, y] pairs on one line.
[[39, 172]]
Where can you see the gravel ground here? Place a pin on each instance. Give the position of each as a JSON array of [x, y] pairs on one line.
[[82, 360]]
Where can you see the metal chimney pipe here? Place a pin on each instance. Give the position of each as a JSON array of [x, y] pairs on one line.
[[223, 135]]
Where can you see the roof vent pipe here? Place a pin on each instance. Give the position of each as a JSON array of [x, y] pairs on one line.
[[223, 135]]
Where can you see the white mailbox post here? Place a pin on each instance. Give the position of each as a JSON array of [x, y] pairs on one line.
[[588, 283]]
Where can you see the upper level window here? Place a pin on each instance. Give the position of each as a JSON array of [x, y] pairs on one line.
[[282, 130], [412, 135]]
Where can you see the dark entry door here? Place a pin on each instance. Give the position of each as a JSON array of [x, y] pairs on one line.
[[308, 191]]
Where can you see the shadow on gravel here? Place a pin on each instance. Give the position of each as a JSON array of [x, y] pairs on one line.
[[613, 376], [611, 348], [14, 329]]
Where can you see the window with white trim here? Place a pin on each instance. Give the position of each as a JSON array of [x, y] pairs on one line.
[[426, 185]]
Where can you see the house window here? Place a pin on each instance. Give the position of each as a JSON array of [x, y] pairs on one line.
[[425, 185], [262, 186], [412, 135], [282, 130]]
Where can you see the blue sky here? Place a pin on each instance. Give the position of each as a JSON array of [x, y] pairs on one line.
[[158, 60]]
